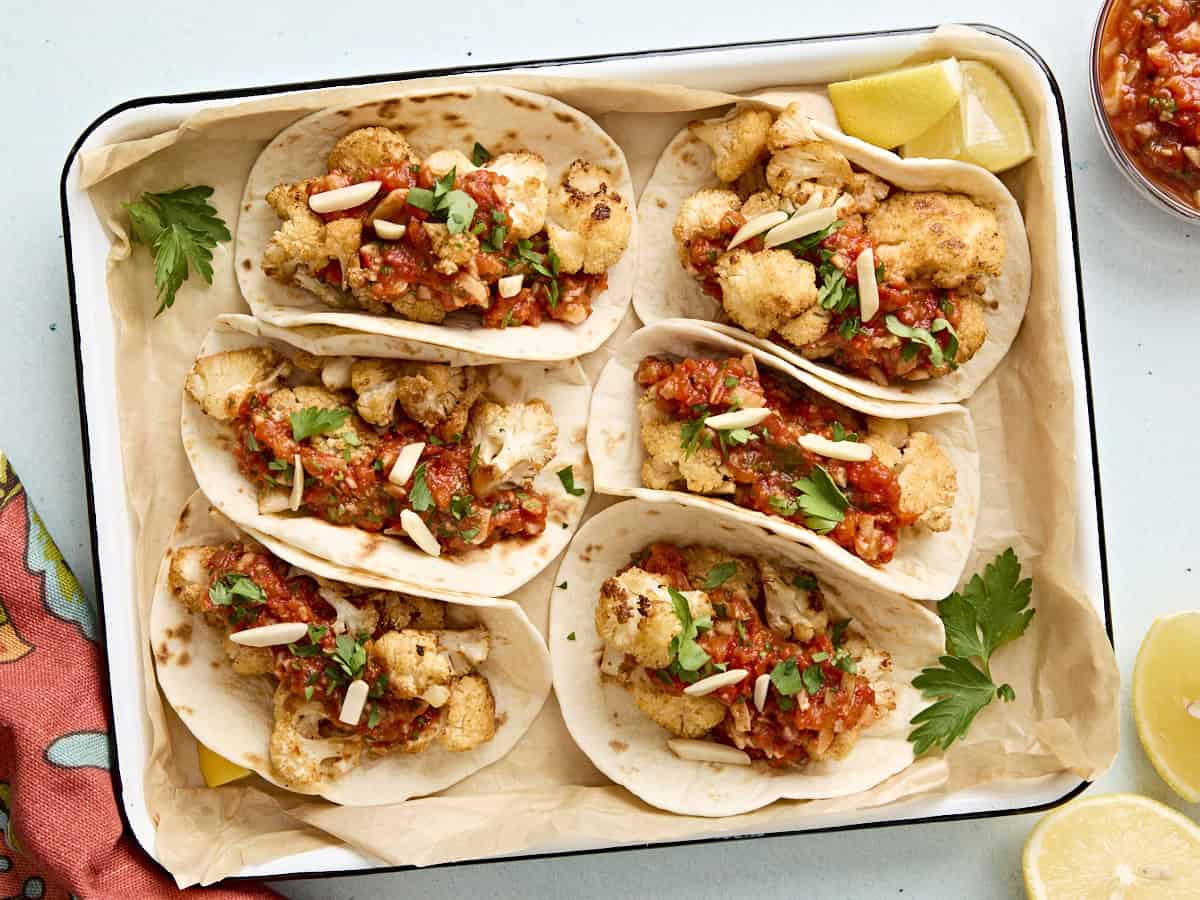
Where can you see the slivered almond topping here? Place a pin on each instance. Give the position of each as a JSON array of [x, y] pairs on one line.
[[510, 285], [757, 226], [850, 451], [405, 463], [707, 751], [270, 635], [761, 685], [344, 198], [868, 289], [356, 699], [742, 418], [274, 502], [419, 532], [335, 374], [389, 231], [706, 686], [800, 225], [297, 483]]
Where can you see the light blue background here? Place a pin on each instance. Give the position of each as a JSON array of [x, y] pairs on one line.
[[61, 65]]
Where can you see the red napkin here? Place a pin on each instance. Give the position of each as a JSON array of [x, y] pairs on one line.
[[60, 835]]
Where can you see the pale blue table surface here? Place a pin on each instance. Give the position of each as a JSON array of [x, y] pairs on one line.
[[62, 65]]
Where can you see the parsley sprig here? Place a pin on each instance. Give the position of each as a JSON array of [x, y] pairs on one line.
[[989, 612], [687, 656], [240, 593], [182, 228], [317, 420], [445, 203], [919, 337], [820, 499]]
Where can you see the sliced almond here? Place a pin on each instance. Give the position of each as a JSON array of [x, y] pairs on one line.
[[297, 483], [510, 285], [742, 418], [849, 451], [762, 684], [706, 686], [274, 502], [347, 197], [800, 225], [270, 635], [389, 231], [707, 751], [436, 695], [406, 463], [757, 226], [356, 699], [612, 660], [419, 532], [335, 374], [868, 288]]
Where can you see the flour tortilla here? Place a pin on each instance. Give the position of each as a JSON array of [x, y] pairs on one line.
[[494, 571], [664, 290], [502, 119], [927, 565], [232, 714], [631, 749]]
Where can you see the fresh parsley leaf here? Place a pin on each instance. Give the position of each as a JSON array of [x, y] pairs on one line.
[[374, 716], [236, 589], [951, 341], [561, 587], [962, 690], [787, 678], [822, 502], [689, 655], [730, 381], [469, 535], [820, 657], [315, 420], [839, 432], [836, 294], [839, 631], [460, 506], [804, 583], [741, 630], [350, 655], [474, 460], [419, 498], [571, 636], [809, 241], [689, 433], [421, 198], [849, 328], [459, 207], [567, 476], [813, 678], [719, 574], [920, 337], [480, 154]]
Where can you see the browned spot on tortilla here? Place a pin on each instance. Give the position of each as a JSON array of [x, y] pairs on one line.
[[163, 654], [452, 117], [688, 157], [580, 434], [521, 102], [568, 119], [618, 746], [183, 516], [501, 718], [184, 658], [254, 759], [510, 135], [419, 99], [660, 203], [614, 441], [246, 207], [185, 710], [292, 138], [994, 304], [446, 95], [214, 663], [344, 113], [182, 633], [156, 819], [387, 109], [247, 265]]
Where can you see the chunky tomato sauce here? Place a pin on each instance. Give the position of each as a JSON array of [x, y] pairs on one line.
[[1150, 81], [766, 466], [787, 731], [347, 483]]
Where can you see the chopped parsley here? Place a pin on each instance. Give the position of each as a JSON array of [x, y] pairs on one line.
[[469, 535], [561, 587], [836, 294], [571, 636], [240, 593], [419, 498], [840, 433], [480, 154], [315, 420], [690, 432], [921, 337], [687, 656], [839, 631], [730, 381], [567, 476], [849, 328], [787, 678], [445, 203], [813, 678], [809, 242], [821, 501], [460, 506], [719, 574]]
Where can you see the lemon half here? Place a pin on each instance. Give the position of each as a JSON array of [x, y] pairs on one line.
[[1166, 701], [1113, 847], [216, 769], [894, 107]]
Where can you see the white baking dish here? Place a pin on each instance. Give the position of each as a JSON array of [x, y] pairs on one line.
[[737, 68]]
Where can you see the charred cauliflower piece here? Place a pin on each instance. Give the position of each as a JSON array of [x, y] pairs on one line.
[[469, 717], [761, 202], [934, 238], [635, 615], [792, 611], [588, 223], [808, 327], [972, 328], [683, 716], [736, 143], [354, 613], [429, 393], [699, 561], [400, 611], [761, 291], [515, 442], [792, 171], [282, 403], [928, 482], [369, 148], [790, 129], [220, 383], [452, 250], [669, 465], [700, 216], [249, 660], [299, 755], [413, 661], [299, 243], [442, 161], [188, 577], [886, 437], [525, 192]]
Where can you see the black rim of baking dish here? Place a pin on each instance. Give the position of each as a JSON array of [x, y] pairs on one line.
[[235, 93]]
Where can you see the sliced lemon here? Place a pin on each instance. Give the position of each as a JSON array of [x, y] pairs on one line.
[[1113, 847], [1166, 701], [216, 769], [987, 126], [894, 107]]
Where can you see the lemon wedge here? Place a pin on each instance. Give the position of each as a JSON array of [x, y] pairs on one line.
[[216, 769], [986, 127], [895, 107], [1113, 847], [1166, 701]]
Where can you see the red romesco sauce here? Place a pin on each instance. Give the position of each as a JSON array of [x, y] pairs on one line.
[[766, 467], [783, 735], [1149, 71], [348, 484]]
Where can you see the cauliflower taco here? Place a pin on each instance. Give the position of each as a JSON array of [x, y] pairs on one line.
[[328, 681], [899, 279], [461, 478], [712, 669], [888, 490], [479, 218]]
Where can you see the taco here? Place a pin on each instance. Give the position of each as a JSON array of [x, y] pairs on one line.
[[446, 477], [482, 219], [715, 668], [899, 279], [888, 490], [328, 681]]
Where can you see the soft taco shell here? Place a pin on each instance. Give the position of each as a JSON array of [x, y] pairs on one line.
[[232, 714], [664, 290], [926, 566], [495, 570], [631, 749], [502, 119]]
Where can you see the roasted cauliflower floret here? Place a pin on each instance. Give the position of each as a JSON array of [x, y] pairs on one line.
[[188, 577], [433, 394], [369, 148], [635, 615], [793, 608], [759, 203], [761, 291], [354, 612], [700, 561], [683, 716], [343, 238], [972, 328], [701, 215], [249, 660], [221, 382], [525, 192], [442, 161], [300, 240], [400, 611], [669, 464], [452, 250], [469, 717], [362, 439], [791, 128], [587, 222], [790, 171], [515, 442], [928, 482], [806, 328], [299, 755], [413, 660], [736, 143], [934, 238]]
